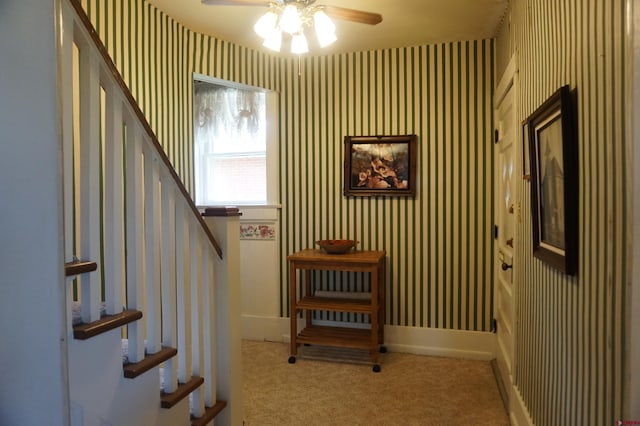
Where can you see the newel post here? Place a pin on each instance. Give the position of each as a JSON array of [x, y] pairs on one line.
[[224, 223]]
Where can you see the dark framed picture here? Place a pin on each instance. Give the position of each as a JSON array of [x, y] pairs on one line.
[[526, 164], [380, 165], [554, 182]]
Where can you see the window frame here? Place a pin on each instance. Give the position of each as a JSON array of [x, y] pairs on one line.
[[271, 151]]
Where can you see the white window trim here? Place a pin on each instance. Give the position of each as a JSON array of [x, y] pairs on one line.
[[271, 99]]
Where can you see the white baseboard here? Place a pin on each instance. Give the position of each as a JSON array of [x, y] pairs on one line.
[[519, 415], [415, 340], [272, 329], [441, 342]]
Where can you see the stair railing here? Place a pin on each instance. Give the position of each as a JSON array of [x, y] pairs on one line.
[[127, 210]]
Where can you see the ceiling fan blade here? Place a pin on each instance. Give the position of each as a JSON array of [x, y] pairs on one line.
[[235, 2], [352, 15]]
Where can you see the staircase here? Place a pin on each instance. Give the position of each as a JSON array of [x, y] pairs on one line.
[[143, 268]]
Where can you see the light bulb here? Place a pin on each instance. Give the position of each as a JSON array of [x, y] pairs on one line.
[[299, 44], [290, 21], [325, 28], [266, 24], [274, 40]]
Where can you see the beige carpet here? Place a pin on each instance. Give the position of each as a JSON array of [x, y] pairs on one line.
[[410, 390]]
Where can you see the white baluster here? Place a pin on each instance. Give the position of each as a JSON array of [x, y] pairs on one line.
[[90, 180], [196, 314], [152, 251], [114, 203], [135, 271], [208, 326], [182, 292], [168, 277]]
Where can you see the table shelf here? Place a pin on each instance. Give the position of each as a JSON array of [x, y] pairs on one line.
[[345, 337], [336, 304], [371, 338]]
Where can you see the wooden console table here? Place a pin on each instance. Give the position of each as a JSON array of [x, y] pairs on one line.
[[356, 261]]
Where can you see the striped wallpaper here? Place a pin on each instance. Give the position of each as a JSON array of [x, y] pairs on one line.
[[157, 57], [440, 257], [570, 358]]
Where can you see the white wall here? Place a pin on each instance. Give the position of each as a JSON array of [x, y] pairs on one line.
[[33, 388], [259, 277]]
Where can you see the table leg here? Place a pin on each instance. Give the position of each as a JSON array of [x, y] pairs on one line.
[[381, 293], [293, 314], [307, 292], [375, 318]]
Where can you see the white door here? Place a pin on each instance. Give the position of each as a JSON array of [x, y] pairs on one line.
[[505, 215]]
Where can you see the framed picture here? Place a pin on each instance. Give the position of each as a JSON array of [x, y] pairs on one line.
[[526, 173], [554, 182], [380, 165]]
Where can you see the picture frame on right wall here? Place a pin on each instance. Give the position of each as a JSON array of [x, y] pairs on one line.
[[553, 157]]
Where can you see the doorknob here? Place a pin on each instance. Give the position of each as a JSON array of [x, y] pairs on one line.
[[505, 266]]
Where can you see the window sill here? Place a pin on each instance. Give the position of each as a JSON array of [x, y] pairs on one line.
[[254, 211]]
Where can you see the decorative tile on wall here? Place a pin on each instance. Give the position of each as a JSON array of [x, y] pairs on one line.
[[257, 231]]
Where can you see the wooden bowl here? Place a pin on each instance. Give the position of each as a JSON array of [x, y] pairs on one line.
[[336, 246]]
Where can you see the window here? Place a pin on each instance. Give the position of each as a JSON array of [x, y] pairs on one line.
[[231, 135]]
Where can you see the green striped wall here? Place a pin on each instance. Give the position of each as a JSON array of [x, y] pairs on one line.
[[157, 57], [439, 269], [439, 256], [569, 366]]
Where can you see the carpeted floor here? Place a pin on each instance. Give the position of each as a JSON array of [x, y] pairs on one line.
[[410, 390]]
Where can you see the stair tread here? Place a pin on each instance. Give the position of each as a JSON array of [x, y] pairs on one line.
[[168, 400], [86, 330], [79, 267], [134, 369], [209, 414]]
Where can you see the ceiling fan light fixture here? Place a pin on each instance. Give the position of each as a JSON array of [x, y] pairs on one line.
[[325, 28], [299, 44], [322, 22], [274, 40], [295, 16], [325, 39], [290, 20], [266, 24]]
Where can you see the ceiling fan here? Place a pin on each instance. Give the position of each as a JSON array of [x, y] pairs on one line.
[[333, 11], [292, 16]]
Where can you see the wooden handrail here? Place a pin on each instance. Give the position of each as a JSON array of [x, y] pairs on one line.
[[145, 124]]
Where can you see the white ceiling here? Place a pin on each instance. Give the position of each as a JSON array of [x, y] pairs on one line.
[[404, 22]]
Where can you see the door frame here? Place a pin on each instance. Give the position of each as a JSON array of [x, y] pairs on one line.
[[508, 83], [632, 391]]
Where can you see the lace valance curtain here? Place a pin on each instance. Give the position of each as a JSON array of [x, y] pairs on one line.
[[226, 114]]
